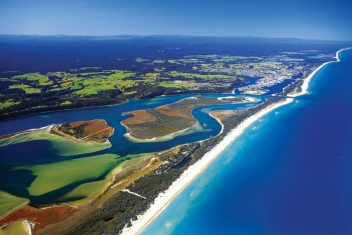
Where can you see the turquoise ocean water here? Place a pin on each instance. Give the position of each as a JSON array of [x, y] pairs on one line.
[[289, 173]]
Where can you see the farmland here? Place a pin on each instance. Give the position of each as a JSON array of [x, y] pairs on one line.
[[34, 92]]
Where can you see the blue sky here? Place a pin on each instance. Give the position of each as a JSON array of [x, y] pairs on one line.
[[309, 19]]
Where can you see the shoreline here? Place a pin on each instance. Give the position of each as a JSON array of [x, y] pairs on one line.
[[164, 198], [61, 110], [219, 121], [194, 170], [306, 81]]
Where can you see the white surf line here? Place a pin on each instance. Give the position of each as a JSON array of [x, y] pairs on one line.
[[29, 226], [133, 193], [304, 87]]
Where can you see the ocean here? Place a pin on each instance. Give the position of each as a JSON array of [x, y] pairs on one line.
[[288, 173]]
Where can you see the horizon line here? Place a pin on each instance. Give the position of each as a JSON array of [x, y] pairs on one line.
[[170, 35]]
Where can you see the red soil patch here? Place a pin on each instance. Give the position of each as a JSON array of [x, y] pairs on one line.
[[91, 126], [97, 126], [222, 114], [75, 124], [42, 217], [140, 116], [107, 132], [94, 128], [180, 113]]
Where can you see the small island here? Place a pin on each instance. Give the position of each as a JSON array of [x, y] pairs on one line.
[[84, 131], [168, 119]]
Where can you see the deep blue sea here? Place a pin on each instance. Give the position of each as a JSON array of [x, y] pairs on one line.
[[290, 175]]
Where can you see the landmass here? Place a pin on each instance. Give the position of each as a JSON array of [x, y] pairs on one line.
[[84, 131], [137, 193], [145, 78], [168, 119]]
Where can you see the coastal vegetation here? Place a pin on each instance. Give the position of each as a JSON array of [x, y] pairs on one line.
[[36, 92], [33, 92]]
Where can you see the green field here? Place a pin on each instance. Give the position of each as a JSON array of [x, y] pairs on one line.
[[119, 75], [28, 89], [7, 103], [173, 62], [196, 75], [41, 79], [92, 85], [150, 76], [66, 103], [169, 85], [35, 92]]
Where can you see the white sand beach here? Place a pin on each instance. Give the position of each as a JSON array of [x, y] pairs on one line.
[[164, 198], [305, 84]]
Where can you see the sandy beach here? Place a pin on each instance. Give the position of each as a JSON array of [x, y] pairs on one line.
[[166, 197], [306, 81]]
